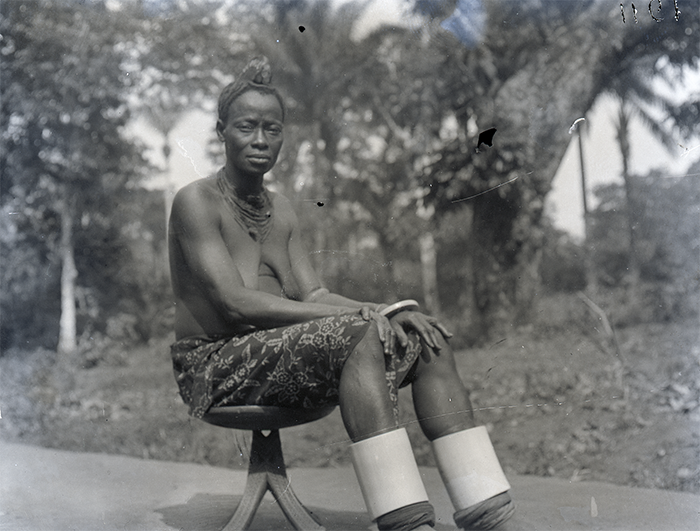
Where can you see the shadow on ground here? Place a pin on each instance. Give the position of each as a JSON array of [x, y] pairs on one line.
[[211, 512]]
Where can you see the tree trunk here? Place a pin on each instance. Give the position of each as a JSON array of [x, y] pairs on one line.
[[506, 241], [67, 338], [428, 261], [468, 298], [163, 269], [487, 277], [591, 279], [623, 139]]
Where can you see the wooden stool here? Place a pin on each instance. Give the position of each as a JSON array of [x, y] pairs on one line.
[[266, 470]]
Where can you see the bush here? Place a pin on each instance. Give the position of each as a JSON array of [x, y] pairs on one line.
[[562, 268]]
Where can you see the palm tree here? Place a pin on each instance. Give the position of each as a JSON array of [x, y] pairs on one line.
[[638, 98], [314, 57]]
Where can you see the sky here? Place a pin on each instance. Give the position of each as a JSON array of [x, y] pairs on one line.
[[602, 160]]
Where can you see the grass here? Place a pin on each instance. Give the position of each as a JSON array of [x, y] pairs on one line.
[[556, 399]]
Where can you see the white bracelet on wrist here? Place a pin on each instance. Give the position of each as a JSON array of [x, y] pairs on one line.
[[393, 309]]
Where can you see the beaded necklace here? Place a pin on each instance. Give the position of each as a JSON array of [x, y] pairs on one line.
[[254, 213]]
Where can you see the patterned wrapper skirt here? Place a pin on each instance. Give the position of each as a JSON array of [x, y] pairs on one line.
[[291, 366]]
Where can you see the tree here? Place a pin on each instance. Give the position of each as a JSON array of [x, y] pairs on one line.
[[313, 57], [396, 112], [668, 249], [64, 162], [505, 82], [188, 55], [530, 78], [652, 48], [635, 89]]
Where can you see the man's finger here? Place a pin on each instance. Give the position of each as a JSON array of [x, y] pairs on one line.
[[426, 332], [437, 324], [400, 334], [386, 334], [444, 331], [426, 352], [390, 343]]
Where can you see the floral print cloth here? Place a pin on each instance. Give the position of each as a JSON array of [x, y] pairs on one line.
[[291, 366]]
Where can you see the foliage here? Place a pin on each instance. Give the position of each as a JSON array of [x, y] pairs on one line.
[[68, 91], [179, 55], [382, 132], [24, 283], [562, 265], [667, 224], [62, 155], [538, 66]]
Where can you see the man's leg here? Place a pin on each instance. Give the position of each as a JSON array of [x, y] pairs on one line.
[[382, 455], [365, 403], [464, 454], [440, 398]]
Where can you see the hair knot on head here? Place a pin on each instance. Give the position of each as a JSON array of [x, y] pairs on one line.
[[257, 75], [258, 71]]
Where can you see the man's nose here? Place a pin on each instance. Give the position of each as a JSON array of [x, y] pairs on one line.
[[259, 138]]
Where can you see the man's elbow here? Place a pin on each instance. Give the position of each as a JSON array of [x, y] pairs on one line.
[[237, 311], [245, 310], [230, 307], [315, 295]]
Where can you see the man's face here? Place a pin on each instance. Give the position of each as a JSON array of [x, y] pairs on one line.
[[252, 132]]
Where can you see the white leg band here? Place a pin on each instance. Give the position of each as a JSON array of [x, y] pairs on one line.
[[469, 467], [387, 472]]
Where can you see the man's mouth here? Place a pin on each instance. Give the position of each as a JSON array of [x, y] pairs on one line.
[[258, 159]]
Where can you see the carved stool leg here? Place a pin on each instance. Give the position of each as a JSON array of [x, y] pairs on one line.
[[267, 471]]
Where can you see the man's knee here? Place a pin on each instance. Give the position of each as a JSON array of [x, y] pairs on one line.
[[370, 347], [442, 362]]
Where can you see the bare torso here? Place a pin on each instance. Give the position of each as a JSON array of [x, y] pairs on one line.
[[262, 267]]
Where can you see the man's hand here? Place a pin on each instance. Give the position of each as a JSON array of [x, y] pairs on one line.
[[384, 328], [429, 329]]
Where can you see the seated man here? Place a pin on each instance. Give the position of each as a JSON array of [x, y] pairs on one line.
[[234, 248]]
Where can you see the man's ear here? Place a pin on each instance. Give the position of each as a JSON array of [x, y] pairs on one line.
[[220, 130]]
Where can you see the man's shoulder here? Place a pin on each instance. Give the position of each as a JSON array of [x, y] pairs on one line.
[[206, 184], [279, 200], [197, 191], [196, 202], [283, 206]]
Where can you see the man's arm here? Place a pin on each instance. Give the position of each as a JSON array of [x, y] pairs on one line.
[[196, 229], [322, 295]]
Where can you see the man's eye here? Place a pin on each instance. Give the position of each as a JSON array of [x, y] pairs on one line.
[[274, 131], [245, 128]]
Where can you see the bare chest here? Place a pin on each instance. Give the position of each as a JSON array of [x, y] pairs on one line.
[[252, 257]]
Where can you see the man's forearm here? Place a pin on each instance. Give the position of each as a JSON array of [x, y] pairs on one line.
[[243, 306], [323, 296]]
